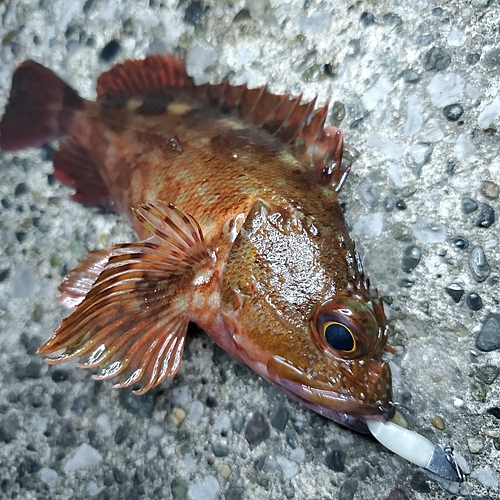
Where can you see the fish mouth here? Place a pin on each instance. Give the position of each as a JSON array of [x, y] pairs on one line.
[[349, 413], [346, 409]]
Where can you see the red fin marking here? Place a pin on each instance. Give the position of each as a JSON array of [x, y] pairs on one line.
[[133, 320], [77, 283], [140, 78], [74, 167], [39, 108]]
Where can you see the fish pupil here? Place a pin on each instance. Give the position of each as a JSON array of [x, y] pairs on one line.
[[339, 337]]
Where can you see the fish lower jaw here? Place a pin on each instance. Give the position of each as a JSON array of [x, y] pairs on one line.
[[349, 413]]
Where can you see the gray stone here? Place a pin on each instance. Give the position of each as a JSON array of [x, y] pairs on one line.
[[486, 216], [488, 338], [348, 489], [478, 264], [257, 429]]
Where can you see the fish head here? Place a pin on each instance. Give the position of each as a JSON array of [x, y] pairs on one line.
[[300, 312]]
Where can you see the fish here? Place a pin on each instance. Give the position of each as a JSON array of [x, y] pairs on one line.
[[233, 195]]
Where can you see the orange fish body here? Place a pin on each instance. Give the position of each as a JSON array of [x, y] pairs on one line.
[[233, 194]]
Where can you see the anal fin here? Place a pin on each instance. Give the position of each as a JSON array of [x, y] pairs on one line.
[[133, 320], [74, 166]]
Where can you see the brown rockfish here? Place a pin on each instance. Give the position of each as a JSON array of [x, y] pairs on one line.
[[233, 195]]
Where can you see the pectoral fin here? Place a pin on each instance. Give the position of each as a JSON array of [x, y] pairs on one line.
[[133, 321]]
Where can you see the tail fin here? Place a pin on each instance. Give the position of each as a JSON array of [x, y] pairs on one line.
[[39, 109]]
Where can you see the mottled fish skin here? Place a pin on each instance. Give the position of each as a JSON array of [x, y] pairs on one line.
[[272, 267]]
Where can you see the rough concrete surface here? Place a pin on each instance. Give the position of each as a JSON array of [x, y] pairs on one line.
[[420, 84]]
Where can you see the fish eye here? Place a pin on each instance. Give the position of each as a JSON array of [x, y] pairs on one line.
[[339, 337]]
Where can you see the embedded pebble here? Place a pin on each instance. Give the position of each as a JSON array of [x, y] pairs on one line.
[[298, 455], [316, 22], [257, 429], [84, 456], [194, 13], [397, 494], [488, 338], [32, 369], [478, 264], [414, 118], [445, 88], [224, 471], [280, 419], [220, 450], [410, 76], [288, 467], [436, 59], [455, 291], [490, 190], [456, 38], [431, 131], [334, 460], [463, 147], [420, 154], [472, 92], [348, 489], [474, 301], [141, 406], [93, 489], [237, 423], [369, 225], [487, 373], [438, 423], [179, 489], [411, 258], [382, 115], [489, 114], [206, 489], [376, 93], [48, 476], [121, 434], [453, 112], [177, 416], [367, 18], [485, 476], [460, 242], [429, 231], [486, 216], [110, 51], [475, 444], [385, 145], [395, 174], [155, 432], [180, 395], [388, 204], [104, 423], [469, 205], [223, 422], [195, 412], [370, 194], [190, 463]]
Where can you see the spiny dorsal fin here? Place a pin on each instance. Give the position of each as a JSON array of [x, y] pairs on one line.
[[133, 320], [145, 77], [299, 125]]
